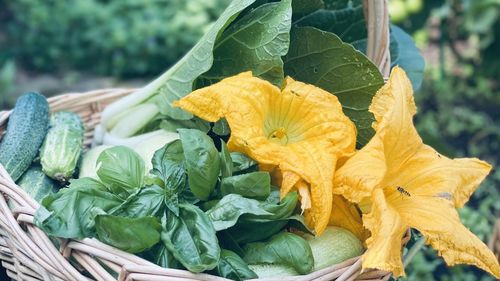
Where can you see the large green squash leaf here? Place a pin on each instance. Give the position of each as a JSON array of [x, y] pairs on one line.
[[177, 82], [322, 59], [255, 42], [346, 22], [405, 54]]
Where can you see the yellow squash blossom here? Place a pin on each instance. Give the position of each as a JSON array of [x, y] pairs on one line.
[[300, 131], [400, 182]]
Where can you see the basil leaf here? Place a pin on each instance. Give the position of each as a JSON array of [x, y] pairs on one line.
[[252, 185], [346, 73], [226, 164], [227, 211], [247, 231], [147, 201], [228, 242], [284, 248], [251, 227], [132, 235], [160, 255], [121, 169], [233, 267], [70, 213], [202, 162], [191, 238], [255, 42], [242, 163], [177, 82]]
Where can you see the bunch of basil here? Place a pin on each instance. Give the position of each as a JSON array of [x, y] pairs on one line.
[[194, 202]]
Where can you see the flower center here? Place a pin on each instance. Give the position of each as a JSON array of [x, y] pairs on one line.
[[279, 136]]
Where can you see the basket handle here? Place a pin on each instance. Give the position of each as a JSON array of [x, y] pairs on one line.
[[377, 24]]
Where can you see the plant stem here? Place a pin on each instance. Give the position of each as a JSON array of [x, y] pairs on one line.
[[413, 251]]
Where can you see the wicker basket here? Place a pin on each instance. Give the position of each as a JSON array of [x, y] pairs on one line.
[[494, 243], [28, 254]]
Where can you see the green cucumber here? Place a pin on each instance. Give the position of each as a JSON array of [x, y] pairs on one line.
[[27, 127], [37, 184], [62, 146]]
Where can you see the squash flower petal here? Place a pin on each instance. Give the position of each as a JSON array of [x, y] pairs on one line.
[[346, 215], [399, 183], [300, 130]]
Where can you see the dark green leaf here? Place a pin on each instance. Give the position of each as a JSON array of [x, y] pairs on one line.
[[322, 59], [132, 235], [221, 128], [226, 166], [405, 54], [147, 201], [161, 256], [172, 125], [233, 267], [227, 211], [191, 238], [280, 209], [251, 227], [70, 213], [248, 231], [202, 162], [242, 163], [168, 164], [255, 42], [284, 248], [178, 80], [348, 23], [252, 185], [303, 7], [227, 241], [121, 169]]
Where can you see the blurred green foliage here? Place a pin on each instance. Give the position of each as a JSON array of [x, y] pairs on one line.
[[119, 38], [458, 112]]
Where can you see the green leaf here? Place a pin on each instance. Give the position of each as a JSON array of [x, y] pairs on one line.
[[405, 54], [303, 7], [221, 128], [227, 211], [121, 169], [322, 59], [70, 213], [251, 227], [202, 162], [242, 163], [172, 125], [191, 238], [147, 201], [132, 235], [255, 42], [177, 82], [284, 248], [252, 185], [249, 231], [160, 255], [347, 22], [226, 166], [168, 164], [233, 267]]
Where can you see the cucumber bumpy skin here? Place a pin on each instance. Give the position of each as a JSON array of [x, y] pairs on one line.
[[26, 129], [63, 145]]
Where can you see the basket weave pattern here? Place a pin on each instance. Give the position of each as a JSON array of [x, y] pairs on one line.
[[29, 254]]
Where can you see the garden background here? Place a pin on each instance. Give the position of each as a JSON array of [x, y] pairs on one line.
[[78, 45]]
